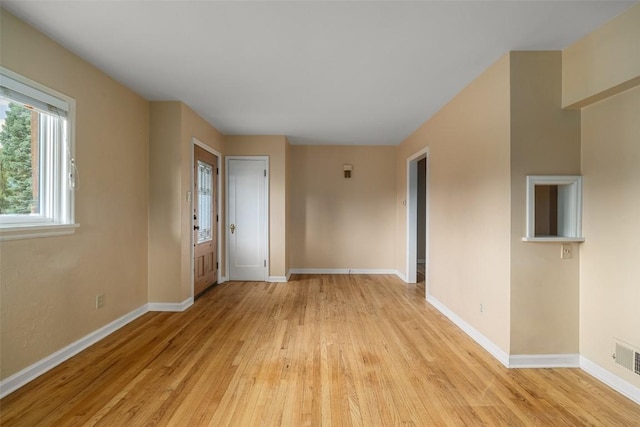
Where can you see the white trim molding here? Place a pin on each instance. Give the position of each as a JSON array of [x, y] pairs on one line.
[[278, 279], [484, 342], [609, 378], [343, 271], [37, 231], [544, 361], [30, 373], [569, 215], [170, 306]]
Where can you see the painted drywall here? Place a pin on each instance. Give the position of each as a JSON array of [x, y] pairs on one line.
[[338, 222], [469, 202], [605, 62], [594, 71], [165, 232], [172, 127], [275, 147], [609, 271], [545, 140], [48, 286]]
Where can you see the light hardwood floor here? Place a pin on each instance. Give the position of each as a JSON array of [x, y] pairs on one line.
[[317, 351]]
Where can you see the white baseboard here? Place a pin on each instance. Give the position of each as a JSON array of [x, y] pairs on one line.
[[30, 373], [221, 280], [170, 306], [544, 361], [343, 271], [278, 279], [612, 380], [485, 342], [401, 276]]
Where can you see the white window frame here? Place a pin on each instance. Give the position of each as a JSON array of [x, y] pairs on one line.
[[58, 170]]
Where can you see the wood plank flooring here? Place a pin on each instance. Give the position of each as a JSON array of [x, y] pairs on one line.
[[317, 351]]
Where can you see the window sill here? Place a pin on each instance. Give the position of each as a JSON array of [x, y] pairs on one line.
[[36, 231], [559, 239]]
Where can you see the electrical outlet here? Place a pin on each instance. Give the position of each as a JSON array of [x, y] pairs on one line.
[[565, 251], [99, 301]]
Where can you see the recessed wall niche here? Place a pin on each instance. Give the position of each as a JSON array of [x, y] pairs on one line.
[[554, 208]]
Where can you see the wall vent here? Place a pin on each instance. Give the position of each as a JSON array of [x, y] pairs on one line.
[[627, 356]]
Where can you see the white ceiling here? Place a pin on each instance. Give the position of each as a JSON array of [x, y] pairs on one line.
[[319, 72]]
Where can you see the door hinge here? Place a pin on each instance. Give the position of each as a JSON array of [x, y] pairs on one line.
[[265, 173], [217, 220], [217, 171], [216, 265], [265, 262]]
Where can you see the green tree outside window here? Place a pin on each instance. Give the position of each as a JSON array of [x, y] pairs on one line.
[[16, 169]]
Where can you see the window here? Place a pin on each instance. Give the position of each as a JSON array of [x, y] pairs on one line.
[[37, 169], [205, 202], [554, 208]]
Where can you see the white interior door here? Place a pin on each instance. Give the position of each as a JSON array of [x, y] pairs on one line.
[[247, 218]]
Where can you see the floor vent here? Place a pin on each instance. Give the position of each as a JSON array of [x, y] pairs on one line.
[[627, 356]]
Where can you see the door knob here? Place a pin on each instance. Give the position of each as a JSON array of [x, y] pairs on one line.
[[233, 228]]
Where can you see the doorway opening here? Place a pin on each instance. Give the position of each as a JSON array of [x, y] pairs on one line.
[[205, 217], [421, 229], [417, 218]]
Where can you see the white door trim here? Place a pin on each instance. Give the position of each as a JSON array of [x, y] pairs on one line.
[[189, 196], [412, 217], [265, 213]]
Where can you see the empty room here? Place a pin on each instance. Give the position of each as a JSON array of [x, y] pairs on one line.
[[319, 213]]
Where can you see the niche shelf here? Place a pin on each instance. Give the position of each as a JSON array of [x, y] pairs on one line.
[[554, 208]]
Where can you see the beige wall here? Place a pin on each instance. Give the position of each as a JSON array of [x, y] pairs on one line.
[[338, 222], [469, 202], [276, 148], [172, 127], [164, 202], [609, 271], [505, 125], [48, 286], [595, 69], [545, 140], [605, 62]]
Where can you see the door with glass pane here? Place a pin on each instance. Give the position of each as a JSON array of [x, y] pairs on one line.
[[205, 226]]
